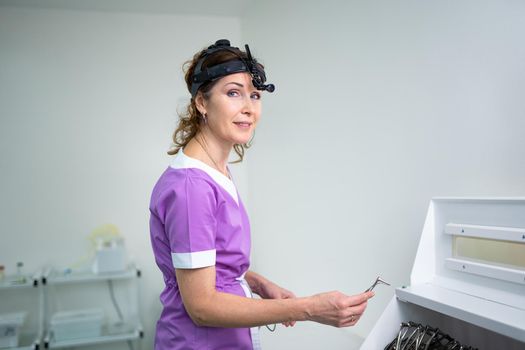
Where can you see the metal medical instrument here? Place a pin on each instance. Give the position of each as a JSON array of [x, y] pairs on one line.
[[378, 280]]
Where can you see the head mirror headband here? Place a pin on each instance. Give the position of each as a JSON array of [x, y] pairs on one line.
[[249, 65]]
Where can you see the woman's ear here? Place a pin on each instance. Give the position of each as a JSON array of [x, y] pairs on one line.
[[200, 103]]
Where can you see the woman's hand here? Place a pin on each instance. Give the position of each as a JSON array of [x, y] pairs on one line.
[[266, 289], [270, 290], [337, 309]]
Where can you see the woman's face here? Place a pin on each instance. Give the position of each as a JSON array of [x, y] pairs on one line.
[[232, 109]]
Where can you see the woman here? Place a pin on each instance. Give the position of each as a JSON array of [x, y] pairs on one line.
[[200, 230]]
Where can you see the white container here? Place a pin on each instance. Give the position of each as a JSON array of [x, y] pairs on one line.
[[10, 325], [110, 257], [77, 324]]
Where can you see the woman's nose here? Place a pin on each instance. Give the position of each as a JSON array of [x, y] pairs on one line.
[[248, 107]]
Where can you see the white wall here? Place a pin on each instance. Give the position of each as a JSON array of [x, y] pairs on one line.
[[379, 106], [88, 102]]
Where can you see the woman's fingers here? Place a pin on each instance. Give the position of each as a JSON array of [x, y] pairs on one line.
[[340, 310], [359, 299], [272, 291], [350, 322]]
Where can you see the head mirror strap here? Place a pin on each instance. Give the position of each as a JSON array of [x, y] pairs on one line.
[[215, 72], [198, 75], [219, 45], [249, 65]]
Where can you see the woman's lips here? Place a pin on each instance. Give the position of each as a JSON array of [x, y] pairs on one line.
[[244, 125]]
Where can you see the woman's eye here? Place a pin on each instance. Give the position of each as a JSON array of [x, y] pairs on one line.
[[256, 96], [233, 93]]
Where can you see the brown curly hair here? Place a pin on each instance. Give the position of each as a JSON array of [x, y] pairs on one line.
[[191, 120]]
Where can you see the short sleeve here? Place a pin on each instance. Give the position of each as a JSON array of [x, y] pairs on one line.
[[190, 223]]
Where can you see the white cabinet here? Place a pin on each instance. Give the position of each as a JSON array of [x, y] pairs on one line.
[[112, 298], [468, 277], [21, 298]]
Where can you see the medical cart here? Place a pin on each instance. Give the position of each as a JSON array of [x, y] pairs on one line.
[[21, 312], [84, 308]]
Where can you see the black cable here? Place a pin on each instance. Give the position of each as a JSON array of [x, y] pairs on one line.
[[271, 329]]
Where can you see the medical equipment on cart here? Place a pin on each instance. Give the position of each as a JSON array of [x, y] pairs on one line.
[[77, 324], [10, 325], [110, 252], [19, 278], [110, 256], [468, 278]]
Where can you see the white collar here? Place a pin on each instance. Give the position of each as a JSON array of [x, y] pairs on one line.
[[182, 161]]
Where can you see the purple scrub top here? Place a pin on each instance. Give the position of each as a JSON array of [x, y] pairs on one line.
[[198, 220]]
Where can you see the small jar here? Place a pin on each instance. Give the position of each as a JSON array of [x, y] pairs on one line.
[[19, 266], [20, 278]]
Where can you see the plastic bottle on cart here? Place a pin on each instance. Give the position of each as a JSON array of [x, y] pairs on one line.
[[20, 278]]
